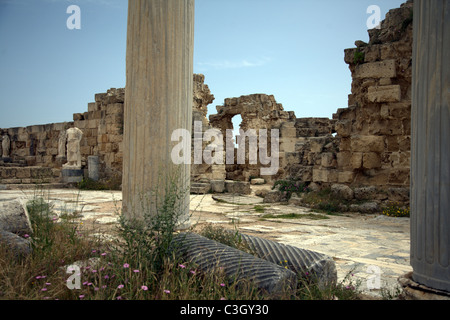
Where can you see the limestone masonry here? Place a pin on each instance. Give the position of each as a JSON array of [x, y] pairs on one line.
[[365, 146]]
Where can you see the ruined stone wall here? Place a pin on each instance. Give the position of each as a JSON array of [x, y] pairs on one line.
[[32, 154], [102, 127], [364, 144], [202, 172], [36, 146], [374, 130], [258, 111], [372, 142]]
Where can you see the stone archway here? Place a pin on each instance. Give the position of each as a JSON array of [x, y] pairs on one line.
[[257, 111]]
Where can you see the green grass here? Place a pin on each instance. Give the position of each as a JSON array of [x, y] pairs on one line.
[[260, 208], [323, 200], [109, 184]]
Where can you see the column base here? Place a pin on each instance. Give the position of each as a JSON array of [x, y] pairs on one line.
[[416, 291], [72, 174]]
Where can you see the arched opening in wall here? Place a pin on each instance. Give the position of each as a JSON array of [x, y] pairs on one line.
[[235, 171], [236, 120]]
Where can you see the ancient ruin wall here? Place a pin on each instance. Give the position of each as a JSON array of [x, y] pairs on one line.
[[364, 144], [372, 142], [374, 130], [258, 111], [34, 155]]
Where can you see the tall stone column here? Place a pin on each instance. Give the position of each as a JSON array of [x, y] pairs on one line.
[[158, 100], [430, 148]]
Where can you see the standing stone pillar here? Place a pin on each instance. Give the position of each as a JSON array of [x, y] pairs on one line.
[[158, 100], [94, 168], [430, 148]]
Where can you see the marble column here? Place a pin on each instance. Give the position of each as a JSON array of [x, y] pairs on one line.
[[430, 145], [158, 100]]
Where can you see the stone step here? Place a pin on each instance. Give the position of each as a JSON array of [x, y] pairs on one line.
[[29, 186], [12, 164], [200, 188], [28, 175]]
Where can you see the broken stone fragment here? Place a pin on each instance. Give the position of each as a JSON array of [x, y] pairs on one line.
[[342, 191], [18, 246], [257, 181], [237, 187], [305, 263], [14, 218], [360, 43], [217, 186], [210, 255]]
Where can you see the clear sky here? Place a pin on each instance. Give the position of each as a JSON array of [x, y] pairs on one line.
[[293, 49]]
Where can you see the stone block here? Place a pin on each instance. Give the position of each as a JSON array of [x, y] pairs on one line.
[[11, 181], [72, 175], [317, 144], [384, 111], [115, 138], [323, 175], [23, 173], [367, 143], [343, 128], [114, 108], [399, 176], [371, 160], [390, 93], [328, 160], [100, 96], [85, 150], [257, 181], [380, 69], [400, 110], [292, 158], [273, 196], [92, 107], [400, 159], [372, 53], [365, 193], [217, 186], [96, 114], [345, 144], [404, 143], [342, 191], [295, 200], [92, 141], [92, 124], [346, 176], [237, 187], [287, 144], [343, 159], [81, 124], [385, 81], [398, 194], [367, 207], [356, 160], [387, 51]]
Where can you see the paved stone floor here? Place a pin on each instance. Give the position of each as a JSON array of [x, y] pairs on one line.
[[371, 249]]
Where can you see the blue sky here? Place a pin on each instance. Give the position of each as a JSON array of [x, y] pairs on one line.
[[293, 49]]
